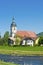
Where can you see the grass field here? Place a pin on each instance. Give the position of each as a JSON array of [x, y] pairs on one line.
[[21, 50], [6, 63]]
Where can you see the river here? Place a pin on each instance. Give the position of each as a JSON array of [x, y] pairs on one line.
[[22, 60]]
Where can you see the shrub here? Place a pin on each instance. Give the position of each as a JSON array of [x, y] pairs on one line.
[[40, 42]]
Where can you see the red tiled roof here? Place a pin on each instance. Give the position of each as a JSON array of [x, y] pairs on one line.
[[26, 34]]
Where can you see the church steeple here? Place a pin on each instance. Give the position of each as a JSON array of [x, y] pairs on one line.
[[13, 28], [13, 22], [13, 19]]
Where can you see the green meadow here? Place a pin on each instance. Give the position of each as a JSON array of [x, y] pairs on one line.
[[22, 50]]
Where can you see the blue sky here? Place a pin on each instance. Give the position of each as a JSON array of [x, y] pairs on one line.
[[28, 15]]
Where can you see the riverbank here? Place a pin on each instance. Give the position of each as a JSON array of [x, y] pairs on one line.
[[6, 63], [22, 50]]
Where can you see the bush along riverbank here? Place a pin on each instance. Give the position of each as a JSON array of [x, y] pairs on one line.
[[22, 50]]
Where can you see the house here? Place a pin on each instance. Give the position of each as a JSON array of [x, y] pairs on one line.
[[26, 37], [27, 41]]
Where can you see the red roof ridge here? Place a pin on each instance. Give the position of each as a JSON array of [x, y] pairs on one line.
[[24, 33]]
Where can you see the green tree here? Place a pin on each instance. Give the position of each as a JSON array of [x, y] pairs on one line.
[[1, 41], [0, 35], [18, 41], [5, 38], [40, 42]]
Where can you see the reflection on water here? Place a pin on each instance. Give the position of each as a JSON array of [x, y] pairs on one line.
[[23, 60]]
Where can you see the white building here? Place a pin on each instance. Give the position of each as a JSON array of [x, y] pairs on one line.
[[27, 41]]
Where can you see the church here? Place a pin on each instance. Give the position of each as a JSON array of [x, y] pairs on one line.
[[20, 37]]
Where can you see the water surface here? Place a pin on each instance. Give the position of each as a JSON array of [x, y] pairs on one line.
[[23, 60]]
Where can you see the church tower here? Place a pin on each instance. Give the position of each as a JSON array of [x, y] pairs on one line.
[[13, 29]]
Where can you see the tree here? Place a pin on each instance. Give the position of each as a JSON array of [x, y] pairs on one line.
[[0, 35], [6, 35], [5, 38], [1, 41], [18, 41], [40, 42]]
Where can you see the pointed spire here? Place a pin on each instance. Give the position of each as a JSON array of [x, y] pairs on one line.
[[13, 19], [13, 22]]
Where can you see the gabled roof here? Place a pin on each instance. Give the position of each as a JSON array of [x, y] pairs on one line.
[[26, 34]]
